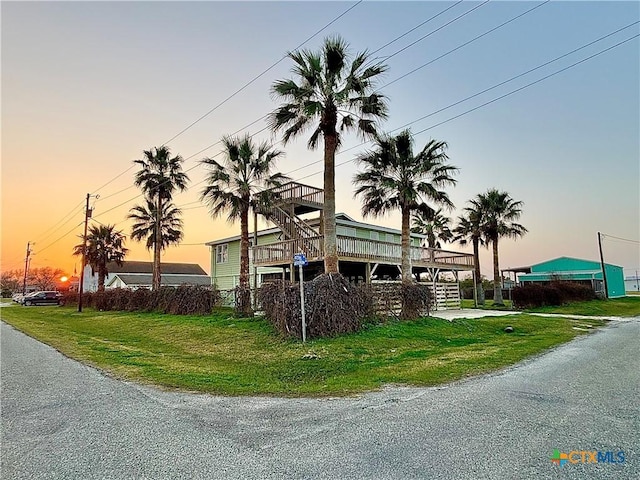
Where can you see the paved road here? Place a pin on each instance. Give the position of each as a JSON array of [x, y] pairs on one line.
[[63, 420]]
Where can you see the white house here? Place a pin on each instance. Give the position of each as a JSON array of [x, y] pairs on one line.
[[137, 274], [632, 283]]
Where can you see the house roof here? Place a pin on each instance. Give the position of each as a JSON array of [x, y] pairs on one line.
[[135, 266], [591, 262], [144, 279], [528, 269], [341, 219]]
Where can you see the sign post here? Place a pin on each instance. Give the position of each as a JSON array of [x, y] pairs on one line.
[[299, 260]]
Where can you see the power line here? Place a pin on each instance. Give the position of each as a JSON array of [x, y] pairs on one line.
[[493, 100], [467, 43], [529, 84], [233, 95], [467, 98], [284, 57], [456, 103], [461, 101], [58, 239], [66, 219], [113, 179], [260, 75], [438, 29], [621, 239], [417, 26]]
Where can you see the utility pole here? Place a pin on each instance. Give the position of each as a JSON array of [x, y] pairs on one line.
[[26, 269], [604, 272], [87, 215]]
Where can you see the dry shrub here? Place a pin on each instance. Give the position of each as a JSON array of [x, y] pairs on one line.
[[332, 306], [188, 300], [553, 294], [416, 300], [242, 301], [183, 300]]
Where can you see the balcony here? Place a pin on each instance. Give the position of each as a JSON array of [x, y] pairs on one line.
[[358, 250]]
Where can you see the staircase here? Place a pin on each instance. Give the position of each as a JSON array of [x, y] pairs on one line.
[[293, 199]]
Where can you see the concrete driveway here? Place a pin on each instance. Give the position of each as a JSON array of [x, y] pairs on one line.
[[61, 419]]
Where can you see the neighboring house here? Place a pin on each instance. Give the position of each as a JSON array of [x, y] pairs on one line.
[[136, 274], [632, 284], [366, 252], [576, 270]]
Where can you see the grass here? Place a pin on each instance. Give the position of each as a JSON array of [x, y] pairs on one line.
[[488, 305], [225, 355], [618, 307]]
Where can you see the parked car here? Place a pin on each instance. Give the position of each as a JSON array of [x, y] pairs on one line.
[[17, 297], [42, 298]]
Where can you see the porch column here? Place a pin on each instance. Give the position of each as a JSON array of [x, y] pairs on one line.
[[367, 273]]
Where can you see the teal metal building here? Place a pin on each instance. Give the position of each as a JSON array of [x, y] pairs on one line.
[[576, 270]]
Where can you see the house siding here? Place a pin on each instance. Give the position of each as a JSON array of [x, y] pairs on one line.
[[226, 276], [574, 268]]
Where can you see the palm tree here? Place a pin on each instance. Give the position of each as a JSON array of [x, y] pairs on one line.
[[160, 175], [331, 94], [499, 212], [145, 225], [234, 186], [434, 224], [104, 245], [469, 229], [395, 178]]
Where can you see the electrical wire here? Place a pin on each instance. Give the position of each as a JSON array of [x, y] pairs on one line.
[[58, 239], [66, 219], [605, 236], [493, 100], [466, 43], [283, 58], [260, 75], [437, 29]]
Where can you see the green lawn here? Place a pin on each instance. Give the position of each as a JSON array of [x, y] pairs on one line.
[[226, 355], [619, 307], [488, 305]]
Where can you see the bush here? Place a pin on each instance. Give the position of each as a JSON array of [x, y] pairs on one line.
[[332, 306], [416, 300], [183, 300], [551, 294]]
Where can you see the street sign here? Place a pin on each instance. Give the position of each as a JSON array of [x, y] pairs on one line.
[[299, 260]]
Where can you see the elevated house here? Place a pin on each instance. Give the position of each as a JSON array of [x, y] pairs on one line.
[[366, 252], [137, 274]]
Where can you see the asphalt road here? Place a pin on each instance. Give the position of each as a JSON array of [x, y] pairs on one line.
[[61, 419]]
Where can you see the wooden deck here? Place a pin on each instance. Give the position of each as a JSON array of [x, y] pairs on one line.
[[358, 250], [302, 198]]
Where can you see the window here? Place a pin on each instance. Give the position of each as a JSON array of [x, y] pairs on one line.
[[374, 235], [222, 253], [346, 231], [390, 237]]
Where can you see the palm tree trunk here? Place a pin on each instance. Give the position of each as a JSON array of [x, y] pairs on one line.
[[157, 247], [244, 293], [497, 284], [330, 239], [406, 246], [478, 275], [101, 276]]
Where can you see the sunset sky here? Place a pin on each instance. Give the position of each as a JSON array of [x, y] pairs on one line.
[[87, 86]]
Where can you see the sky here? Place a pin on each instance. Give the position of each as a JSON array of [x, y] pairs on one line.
[[88, 86]]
